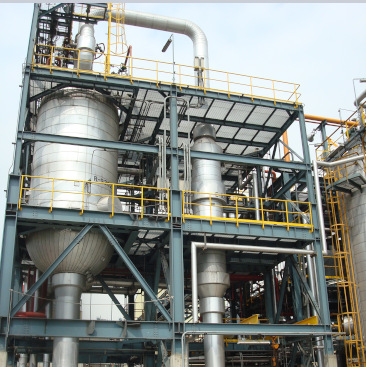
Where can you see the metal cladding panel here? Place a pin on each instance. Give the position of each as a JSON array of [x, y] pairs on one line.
[[78, 114], [91, 254], [206, 175], [219, 110], [227, 132], [74, 113], [264, 137], [239, 113], [278, 118], [356, 219], [260, 115]]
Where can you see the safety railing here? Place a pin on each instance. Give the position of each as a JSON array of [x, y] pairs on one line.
[[246, 209], [152, 201], [161, 72], [94, 195], [339, 136], [346, 170]]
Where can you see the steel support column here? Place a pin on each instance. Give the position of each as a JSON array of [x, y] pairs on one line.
[[176, 266], [319, 261]]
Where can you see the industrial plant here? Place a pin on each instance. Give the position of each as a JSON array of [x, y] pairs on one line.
[[173, 191]]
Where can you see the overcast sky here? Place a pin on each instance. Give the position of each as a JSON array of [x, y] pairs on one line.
[[320, 46]]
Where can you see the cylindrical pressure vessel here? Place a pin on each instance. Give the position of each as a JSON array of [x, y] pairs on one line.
[[212, 278]]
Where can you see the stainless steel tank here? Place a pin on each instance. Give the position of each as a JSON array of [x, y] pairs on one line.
[[74, 113], [212, 278], [85, 43], [356, 220]]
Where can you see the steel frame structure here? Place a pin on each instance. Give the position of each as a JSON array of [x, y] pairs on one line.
[[17, 335]]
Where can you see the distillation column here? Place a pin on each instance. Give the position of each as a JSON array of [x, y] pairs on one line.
[[212, 277]]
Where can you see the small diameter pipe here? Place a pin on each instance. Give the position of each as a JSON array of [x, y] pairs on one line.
[[217, 246], [256, 195], [194, 282], [318, 193], [319, 208]]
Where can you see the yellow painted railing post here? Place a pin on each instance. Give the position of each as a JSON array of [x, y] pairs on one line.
[[296, 99], [142, 202], [204, 80], [236, 211], [112, 213], [251, 88], [82, 200], [51, 57], [78, 67], [53, 185], [210, 209], [157, 74], [262, 211], [287, 220], [274, 93], [311, 218], [228, 85], [168, 202], [180, 77], [20, 193], [183, 210]]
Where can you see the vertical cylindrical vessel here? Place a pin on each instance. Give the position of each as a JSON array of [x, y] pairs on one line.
[[212, 278], [356, 220], [85, 43], [61, 171]]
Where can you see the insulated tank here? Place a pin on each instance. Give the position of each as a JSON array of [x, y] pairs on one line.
[[61, 171], [74, 113], [356, 220]]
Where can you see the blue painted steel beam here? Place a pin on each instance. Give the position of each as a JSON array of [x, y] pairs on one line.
[[33, 215], [305, 284], [50, 270], [113, 298], [131, 266], [148, 330], [118, 83], [150, 149]]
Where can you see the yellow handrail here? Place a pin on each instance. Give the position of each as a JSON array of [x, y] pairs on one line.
[[231, 206], [48, 193], [161, 72]]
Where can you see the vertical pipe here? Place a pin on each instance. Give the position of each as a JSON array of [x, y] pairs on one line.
[[33, 360], [313, 287], [68, 288], [256, 194], [23, 360], [194, 282]]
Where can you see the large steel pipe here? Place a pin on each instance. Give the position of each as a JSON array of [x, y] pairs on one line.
[[212, 279], [168, 24], [68, 288]]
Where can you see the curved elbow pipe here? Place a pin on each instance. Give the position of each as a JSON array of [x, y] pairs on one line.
[[168, 24], [360, 98]]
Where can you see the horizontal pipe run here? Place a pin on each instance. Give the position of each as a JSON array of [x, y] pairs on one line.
[[217, 246], [340, 162], [248, 248], [331, 120], [318, 193]]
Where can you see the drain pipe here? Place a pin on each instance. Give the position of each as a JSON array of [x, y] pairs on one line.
[[168, 24], [318, 193]]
